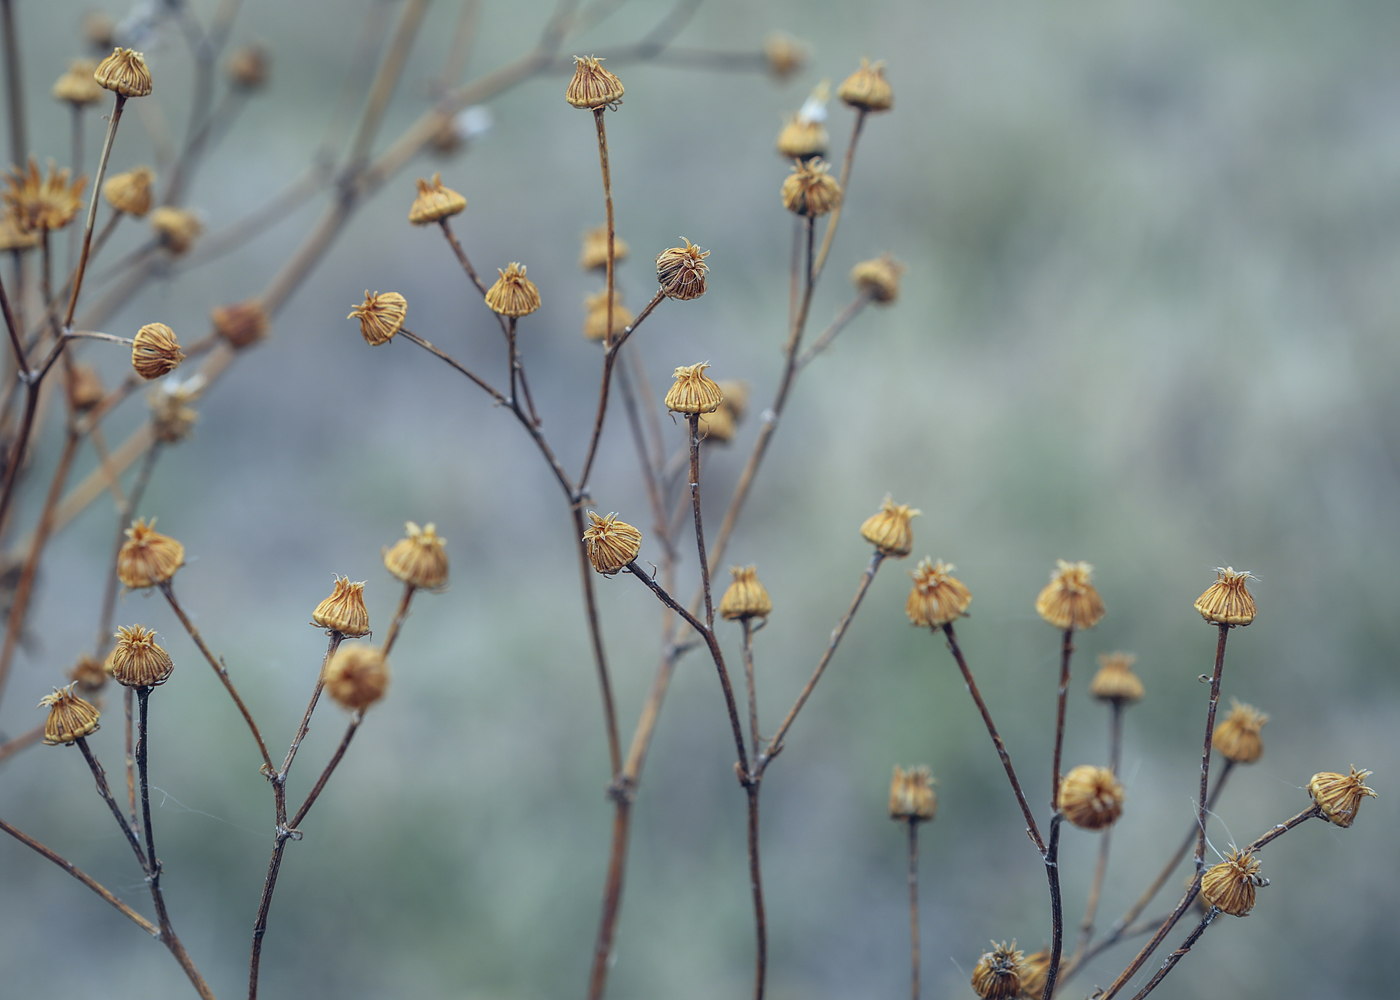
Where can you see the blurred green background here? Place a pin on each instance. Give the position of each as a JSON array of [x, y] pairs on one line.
[[1149, 321]]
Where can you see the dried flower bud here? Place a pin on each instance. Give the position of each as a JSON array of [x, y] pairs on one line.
[[435, 202], [100, 29], [736, 397], [381, 316], [1228, 601], [593, 86], [1229, 886], [693, 391], [595, 317], [911, 794], [611, 544], [681, 271], [998, 972], [344, 611], [717, 427], [172, 418], [785, 54], [1091, 797], [594, 255], [937, 598], [513, 294], [242, 324], [147, 557], [420, 558], [124, 72], [87, 675], [1237, 738], [356, 676], [176, 227], [867, 88], [70, 718], [878, 278], [1340, 795], [746, 597], [810, 190], [77, 86], [802, 138], [84, 387], [156, 352], [889, 530], [1069, 600], [13, 236], [1033, 972], [43, 202], [130, 192], [136, 661], [1115, 680], [247, 67]]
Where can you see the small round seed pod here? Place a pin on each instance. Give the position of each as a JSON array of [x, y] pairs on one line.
[[1033, 973], [911, 794], [242, 324], [594, 255], [136, 661], [937, 597], [356, 676], [878, 278], [1069, 600], [785, 54], [1237, 738], [344, 611], [70, 718], [1228, 601], [1091, 797], [77, 86], [147, 557], [84, 387], [172, 418], [595, 317], [247, 68], [611, 544], [810, 190], [156, 352], [419, 558], [1229, 886], [13, 237], [435, 202], [1115, 680], [381, 316], [99, 29], [745, 597], [888, 529], [176, 227], [87, 675], [717, 427], [593, 86], [1340, 795], [693, 391], [513, 294], [130, 192], [681, 271], [997, 975], [124, 72], [867, 88], [802, 138]]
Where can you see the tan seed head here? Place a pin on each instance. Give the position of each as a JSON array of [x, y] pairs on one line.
[[611, 544], [172, 418], [889, 530], [77, 86], [419, 558], [595, 317], [912, 797], [1115, 680], [177, 228], [156, 352], [745, 597], [1228, 601], [435, 202], [130, 192], [513, 294], [1229, 886], [1091, 797], [147, 557], [867, 89], [70, 717], [878, 278], [247, 68], [937, 597], [693, 391], [681, 271], [594, 254], [124, 72], [136, 661], [1033, 972], [809, 189], [1069, 600], [593, 86], [242, 324], [344, 611], [802, 138], [84, 387], [381, 316], [356, 676], [1339, 796], [38, 202], [785, 54], [997, 975], [1237, 737], [87, 675]]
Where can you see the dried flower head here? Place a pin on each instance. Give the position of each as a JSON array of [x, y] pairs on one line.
[[889, 530], [435, 202], [147, 557], [70, 717], [611, 544], [736, 397], [381, 316], [595, 317], [177, 228], [356, 676], [911, 794], [1115, 680], [247, 67], [13, 236], [100, 29], [513, 294], [1229, 886], [130, 192], [84, 387], [136, 661], [593, 86], [809, 189], [681, 271], [997, 975], [1228, 601], [717, 427], [1069, 600], [125, 73], [1033, 972], [693, 391], [803, 138], [77, 86], [867, 88], [746, 597], [172, 418], [937, 597], [242, 324], [344, 611], [878, 278], [594, 255], [1091, 797], [1338, 796], [156, 352], [87, 675], [419, 558], [48, 202], [1237, 738], [785, 54]]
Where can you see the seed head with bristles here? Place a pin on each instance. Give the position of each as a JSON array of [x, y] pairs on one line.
[[912, 797], [77, 86], [746, 597], [693, 391], [177, 228], [435, 202], [130, 192], [1091, 797], [937, 597], [381, 316], [1339, 796], [681, 271], [419, 558], [1069, 600], [997, 975], [156, 351], [38, 202], [136, 660], [356, 676], [147, 557], [809, 189], [344, 611], [1237, 737], [1228, 601], [593, 86], [124, 72], [867, 89], [889, 530], [1229, 886], [513, 294], [1115, 680], [611, 544], [70, 717]]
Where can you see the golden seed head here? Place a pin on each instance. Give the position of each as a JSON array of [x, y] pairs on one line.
[[809, 189], [801, 139], [736, 397], [513, 294], [100, 29], [1229, 886], [1237, 737], [611, 544], [242, 324], [42, 202], [1033, 972], [593, 86], [130, 192], [147, 557], [1115, 680], [694, 391], [84, 387], [745, 597], [344, 611], [13, 236], [136, 661], [911, 794], [77, 86], [435, 202], [718, 427], [172, 418], [70, 718], [1069, 600], [125, 73], [595, 316], [1091, 797], [867, 88], [594, 254], [681, 271], [156, 352], [998, 972], [176, 227], [1340, 795], [419, 558], [1228, 601], [785, 54], [356, 676], [937, 598], [247, 67], [878, 278], [381, 316], [87, 675], [889, 530]]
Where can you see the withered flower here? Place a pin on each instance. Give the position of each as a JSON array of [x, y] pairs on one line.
[[693, 391], [87, 675], [435, 202], [867, 88], [1237, 738], [156, 352], [911, 794], [681, 271], [172, 418], [242, 324], [611, 544], [1229, 886], [1228, 601], [1339, 795], [717, 427], [785, 54], [997, 975], [13, 236], [1069, 600], [356, 676], [593, 86], [136, 661], [889, 530], [77, 86], [130, 192], [594, 255], [1033, 972], [84, 387], [48, 202], [809, 189], [1115, 680], [177, 228], [595, 317], [344, 611], [70, 718], [147, 557], [513, 294], [125, 73], [746, 597], [419, 558], [381, 316], [1091, 797], [937, 597], [247, 67], [803, 138], [878, 278]]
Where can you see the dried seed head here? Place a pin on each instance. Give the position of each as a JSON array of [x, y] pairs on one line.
[[1069, 600], [889, 530], [356, 676], [1237, 738], [595, 249], [785, 54], [911, 794], [147, 557], [13, 237], [247, 67], [70, 718], [802, 138], [136, 661], [156, 352], [1033, 972], [998, 972], [867, 88], [1340, 795], [381, 316], [176, 227], [419, 558], [745, 597], [611, 544], [172, 418], [593, 86], [77, 86], [344, 611], [130, 192], [717, 427], [693, 391], [1091, 797], [736, 397], [878, 278], [87, 675], [125, 73], [242, 324], [681, 271], [1115, 680], [47, 202], [810, 190], [84, 387], [1229, 886], [100, 29], [435, 202], [595, 317], [1228, 601], [937, 598], [513, 294]]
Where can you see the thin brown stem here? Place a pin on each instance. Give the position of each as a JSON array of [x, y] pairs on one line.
[[386, 80], [399, 615], [1091, 907], [756, 884], [835, 217], [482, 383], [598, 120], [612, 893], [92, 209], [595, 635], [125, 509], [1057, 912], [1179, 954], [128, 711], [336, 638], [914, 907], [100, 776], [754, 741], [609, 361], [1061, 699], [320, 785], [694, 420]]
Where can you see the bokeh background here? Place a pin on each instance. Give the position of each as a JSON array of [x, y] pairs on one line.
[[1149, 321]]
